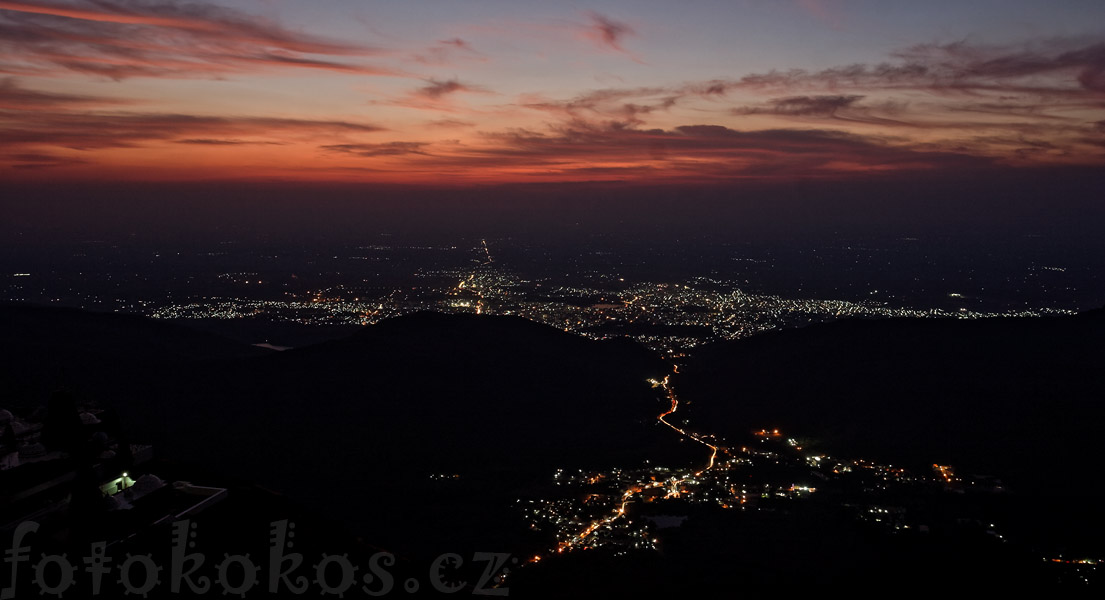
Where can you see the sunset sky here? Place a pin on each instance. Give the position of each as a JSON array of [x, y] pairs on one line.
[[525, 91]]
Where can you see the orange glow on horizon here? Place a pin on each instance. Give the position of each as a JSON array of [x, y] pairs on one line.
[[206, 91]]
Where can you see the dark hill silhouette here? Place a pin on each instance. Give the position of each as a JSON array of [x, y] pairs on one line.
[[97, 355], [981, 391], [70, 332], [359, 425], [356, 427], [1022, 399]]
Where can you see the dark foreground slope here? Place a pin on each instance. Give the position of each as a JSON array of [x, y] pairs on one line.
[[361, 426], [358, 428]]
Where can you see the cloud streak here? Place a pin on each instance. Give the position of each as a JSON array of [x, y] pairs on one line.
[[1056, 68], [100, 130], [438, 89], [13, 96], [691, 153], [36, 161], [445, 52], [375, 150], [606, 32], [168, 39]]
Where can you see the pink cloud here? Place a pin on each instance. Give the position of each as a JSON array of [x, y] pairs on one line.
[[170, 39]]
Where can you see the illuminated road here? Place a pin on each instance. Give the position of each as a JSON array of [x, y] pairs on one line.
[[471, 284], [580, 539], [674, 407], [487, 251]]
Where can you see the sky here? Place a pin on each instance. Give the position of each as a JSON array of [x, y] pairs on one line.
[[487, 92]]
